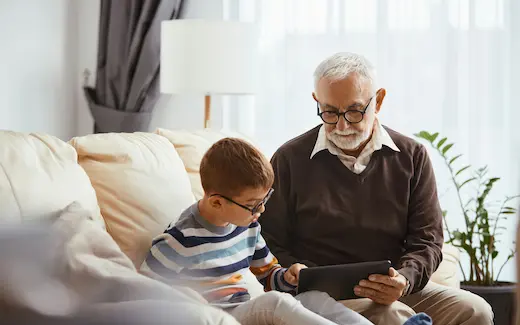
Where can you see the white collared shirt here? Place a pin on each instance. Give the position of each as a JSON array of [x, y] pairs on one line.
[[380, 138]]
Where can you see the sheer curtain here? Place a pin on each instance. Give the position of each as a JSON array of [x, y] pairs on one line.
[[449, 66]]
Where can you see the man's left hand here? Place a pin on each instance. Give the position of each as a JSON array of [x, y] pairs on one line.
[[382, 289]]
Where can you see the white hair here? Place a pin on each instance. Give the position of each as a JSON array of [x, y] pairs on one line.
[[340, 65]]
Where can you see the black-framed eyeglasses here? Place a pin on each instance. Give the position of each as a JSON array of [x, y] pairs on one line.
[[352, 115], [254, 209]]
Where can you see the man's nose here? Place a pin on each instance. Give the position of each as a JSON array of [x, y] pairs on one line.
[[261, 209], [342, 124]]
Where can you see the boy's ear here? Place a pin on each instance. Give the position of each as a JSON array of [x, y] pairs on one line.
[[215, 202]]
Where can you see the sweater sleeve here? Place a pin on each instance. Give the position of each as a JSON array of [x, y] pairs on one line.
[[162, 261], [424, 240], [267, 270], [278, 219]]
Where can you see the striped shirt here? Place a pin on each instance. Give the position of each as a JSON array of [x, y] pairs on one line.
[[357, 165], [213, 260]]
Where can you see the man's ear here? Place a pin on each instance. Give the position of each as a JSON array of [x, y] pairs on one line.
[[314, 96], [380, 96]]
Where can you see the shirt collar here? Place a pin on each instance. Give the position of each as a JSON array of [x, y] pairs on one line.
[[380, 138]]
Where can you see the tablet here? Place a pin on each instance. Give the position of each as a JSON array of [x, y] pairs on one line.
[[339, 280]]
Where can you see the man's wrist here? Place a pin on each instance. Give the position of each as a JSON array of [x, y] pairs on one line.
[[408, 273], [406, 288]]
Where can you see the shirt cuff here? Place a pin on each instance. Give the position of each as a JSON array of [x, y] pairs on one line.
[[284, 285], [407, 272]]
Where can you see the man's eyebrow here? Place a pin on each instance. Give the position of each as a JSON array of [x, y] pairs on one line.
[[355, 104], [330, 106]]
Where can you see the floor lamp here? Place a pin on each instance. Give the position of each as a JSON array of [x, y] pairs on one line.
[[207, 57]]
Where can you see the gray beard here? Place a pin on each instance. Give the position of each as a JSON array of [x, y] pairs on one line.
[[351, 144]]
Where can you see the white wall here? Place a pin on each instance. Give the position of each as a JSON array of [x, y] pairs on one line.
[[170, 112], [87, 26], [38, 49]]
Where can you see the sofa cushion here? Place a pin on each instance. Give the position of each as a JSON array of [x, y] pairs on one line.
[[448, 271], [191, 146], [141, 185], [39, 176]]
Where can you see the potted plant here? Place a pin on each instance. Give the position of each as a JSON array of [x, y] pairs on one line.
[[478, 239]]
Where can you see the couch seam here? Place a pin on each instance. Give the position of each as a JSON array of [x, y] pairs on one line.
[[12, 189]]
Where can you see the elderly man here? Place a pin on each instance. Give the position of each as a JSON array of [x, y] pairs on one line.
[[352, 190]]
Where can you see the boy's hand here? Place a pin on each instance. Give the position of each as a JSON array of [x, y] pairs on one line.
[[293, 273]]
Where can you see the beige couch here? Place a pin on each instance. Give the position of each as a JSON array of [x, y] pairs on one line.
[[133, 185]]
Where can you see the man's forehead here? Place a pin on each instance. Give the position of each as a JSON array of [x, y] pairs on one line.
[[352, 88]]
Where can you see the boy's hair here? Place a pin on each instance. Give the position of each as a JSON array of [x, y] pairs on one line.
[[231, 165]]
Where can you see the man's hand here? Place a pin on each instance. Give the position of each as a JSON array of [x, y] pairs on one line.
[[293, 273], [382, 289]]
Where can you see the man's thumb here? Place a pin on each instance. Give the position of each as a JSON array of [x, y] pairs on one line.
[[393, 272]]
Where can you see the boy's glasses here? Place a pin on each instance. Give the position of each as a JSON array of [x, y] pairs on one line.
[[253, 210]]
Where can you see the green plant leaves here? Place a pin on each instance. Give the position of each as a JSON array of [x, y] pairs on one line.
[[441, 142], [446, 148], [461, 170], [424, 135], [452, 160], [482, 218], [467, 182]]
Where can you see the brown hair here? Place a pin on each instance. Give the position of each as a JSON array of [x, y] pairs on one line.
[[232, 165]]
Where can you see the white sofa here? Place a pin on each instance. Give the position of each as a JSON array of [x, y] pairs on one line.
[[132, 185]]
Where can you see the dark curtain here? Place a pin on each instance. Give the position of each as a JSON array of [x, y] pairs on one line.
[[127, 77]]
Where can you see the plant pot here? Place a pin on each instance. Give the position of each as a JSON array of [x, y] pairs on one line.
[[501, 297]]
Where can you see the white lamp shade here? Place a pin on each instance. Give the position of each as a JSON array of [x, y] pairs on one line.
[[208, 57]]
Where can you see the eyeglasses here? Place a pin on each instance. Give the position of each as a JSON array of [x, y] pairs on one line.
[[352, 115], [253, 210]]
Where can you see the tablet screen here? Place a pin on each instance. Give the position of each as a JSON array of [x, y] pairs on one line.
[[339, 280]]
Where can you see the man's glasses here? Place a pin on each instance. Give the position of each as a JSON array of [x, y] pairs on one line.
[[352, 115], [253, 210]]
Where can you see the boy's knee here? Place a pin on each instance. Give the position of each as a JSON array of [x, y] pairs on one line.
[[313, 297], [275, 298]]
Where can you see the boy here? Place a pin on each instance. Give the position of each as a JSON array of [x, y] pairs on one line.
[[218, 239]]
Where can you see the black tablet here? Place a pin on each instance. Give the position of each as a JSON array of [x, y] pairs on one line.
[[339, 280]]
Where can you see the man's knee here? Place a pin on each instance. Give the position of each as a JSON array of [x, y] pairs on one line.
[[395, 311], [395, 314], [475, 308]]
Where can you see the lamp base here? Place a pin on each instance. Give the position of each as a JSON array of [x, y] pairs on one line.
[[207, 111]]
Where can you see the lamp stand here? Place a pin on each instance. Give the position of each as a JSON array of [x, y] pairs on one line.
[[207, 111]]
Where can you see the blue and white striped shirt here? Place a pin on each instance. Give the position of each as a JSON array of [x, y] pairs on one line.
[[212, 259]]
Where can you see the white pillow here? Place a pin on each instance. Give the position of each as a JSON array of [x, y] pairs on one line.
[[39, 176], [140, 183]]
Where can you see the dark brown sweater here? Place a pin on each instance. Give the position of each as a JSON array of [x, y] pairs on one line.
[[321, 213]]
